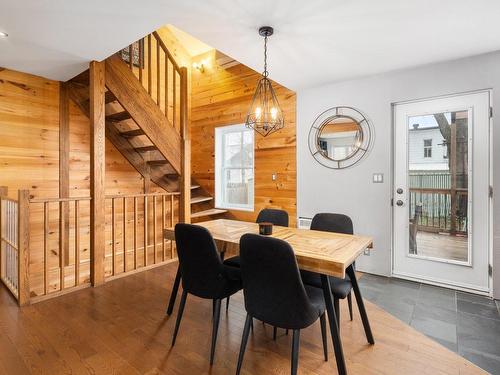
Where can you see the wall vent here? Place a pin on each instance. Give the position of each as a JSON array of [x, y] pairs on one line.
[[304, 222]]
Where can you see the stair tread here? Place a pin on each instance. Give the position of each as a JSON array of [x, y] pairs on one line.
[[132, 133], [146, 148], [194, 187], [200, 199], [157, 162], [118, 116], [210, 212]]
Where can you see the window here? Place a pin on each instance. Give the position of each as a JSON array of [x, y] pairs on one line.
[[445, 149], [234, 167], [427, 148]]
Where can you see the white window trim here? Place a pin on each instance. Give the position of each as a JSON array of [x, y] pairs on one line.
[[219, 132]]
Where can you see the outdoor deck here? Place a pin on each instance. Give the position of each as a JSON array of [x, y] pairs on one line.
[[442, 246]]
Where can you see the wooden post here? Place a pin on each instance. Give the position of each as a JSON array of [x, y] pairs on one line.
[[97, 172], [185, 180], [23, 238], [453, 172], [64, 166]]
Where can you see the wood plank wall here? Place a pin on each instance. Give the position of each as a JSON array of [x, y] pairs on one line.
[[29, 159], [221, 97]]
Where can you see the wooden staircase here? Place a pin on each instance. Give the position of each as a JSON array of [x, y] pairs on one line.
[[142, 123]]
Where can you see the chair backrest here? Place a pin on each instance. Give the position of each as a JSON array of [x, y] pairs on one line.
[[199, 261], [337, 223], [272, 215], [273, 288]]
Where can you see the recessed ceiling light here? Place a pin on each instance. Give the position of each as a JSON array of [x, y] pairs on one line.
[[3, 35]]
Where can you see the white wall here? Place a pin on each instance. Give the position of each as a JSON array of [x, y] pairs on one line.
[[351, 191], [417, 160]]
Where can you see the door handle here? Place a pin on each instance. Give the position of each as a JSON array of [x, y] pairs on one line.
[[399, 202]]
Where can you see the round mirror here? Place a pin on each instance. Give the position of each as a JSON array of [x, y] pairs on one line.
[[340, 137]]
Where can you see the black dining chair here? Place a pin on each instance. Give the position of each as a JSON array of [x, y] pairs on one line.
[[266, 215], [274, 292], [341, 288], [203, 274]]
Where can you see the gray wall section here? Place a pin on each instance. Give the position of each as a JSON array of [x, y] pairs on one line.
[[351, 190]]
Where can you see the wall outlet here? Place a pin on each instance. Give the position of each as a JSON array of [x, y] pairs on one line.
[[378, 178], [367, 252], [273, 176]]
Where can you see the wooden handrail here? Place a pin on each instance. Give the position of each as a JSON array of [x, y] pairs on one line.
[[167, 52], [59, 200]]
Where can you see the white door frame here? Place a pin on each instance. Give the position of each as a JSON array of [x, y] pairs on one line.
[[427, 280]]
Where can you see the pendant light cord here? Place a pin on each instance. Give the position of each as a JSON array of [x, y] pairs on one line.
[[265, 74]]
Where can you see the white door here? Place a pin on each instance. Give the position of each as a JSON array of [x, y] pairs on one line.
[[441, 190]]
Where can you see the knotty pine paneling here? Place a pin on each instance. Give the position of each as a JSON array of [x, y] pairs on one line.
[[29, 159], [221, 97]]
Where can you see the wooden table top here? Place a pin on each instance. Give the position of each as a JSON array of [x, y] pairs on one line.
[[322, 252]]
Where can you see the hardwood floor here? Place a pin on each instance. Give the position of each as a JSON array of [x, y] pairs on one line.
[[121, 328]]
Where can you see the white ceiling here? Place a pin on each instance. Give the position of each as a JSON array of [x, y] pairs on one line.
[[316, 41]]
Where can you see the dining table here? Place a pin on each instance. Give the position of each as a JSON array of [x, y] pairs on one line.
[[326, 253]]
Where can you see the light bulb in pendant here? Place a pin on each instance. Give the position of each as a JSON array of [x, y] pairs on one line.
[[258, 112]]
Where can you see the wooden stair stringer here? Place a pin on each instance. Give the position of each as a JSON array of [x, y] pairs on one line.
[[122, 144], [144, 111]]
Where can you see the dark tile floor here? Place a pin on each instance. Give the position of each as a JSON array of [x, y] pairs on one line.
[[465, 323]]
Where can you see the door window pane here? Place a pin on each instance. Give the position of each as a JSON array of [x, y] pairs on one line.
[[438, 185]]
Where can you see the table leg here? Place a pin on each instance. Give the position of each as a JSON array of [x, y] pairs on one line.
[[334, 328], [361, 306], [175, 288]]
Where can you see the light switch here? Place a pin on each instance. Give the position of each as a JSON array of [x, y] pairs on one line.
[[378, 178]]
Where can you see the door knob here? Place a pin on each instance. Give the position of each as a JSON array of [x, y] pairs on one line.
[[399, 202]]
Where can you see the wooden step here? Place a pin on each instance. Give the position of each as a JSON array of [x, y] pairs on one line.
[[146, 148], [132, 133], [118, 116], [193, 187], [200, 199], [157, 162], [210, 212]]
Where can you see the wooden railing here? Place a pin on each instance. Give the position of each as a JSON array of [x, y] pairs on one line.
[[58, 260], [9, 249], [136, 225], [14, 244], [443, 210], [161, 76]]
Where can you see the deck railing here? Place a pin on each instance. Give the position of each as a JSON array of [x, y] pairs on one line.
[[58, 260], [443, 210]]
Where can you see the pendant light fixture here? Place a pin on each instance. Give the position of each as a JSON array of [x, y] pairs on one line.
[[265, 115]]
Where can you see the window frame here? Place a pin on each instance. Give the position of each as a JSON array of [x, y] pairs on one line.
[[220, 202], [428, 149]]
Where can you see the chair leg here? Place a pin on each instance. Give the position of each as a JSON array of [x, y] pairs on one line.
[[275, 331], [295, 350], [215, 329], [336, 306], [179, 315], [349, 303], [244, 340], [251, 324], [322, 321], [227, 304]]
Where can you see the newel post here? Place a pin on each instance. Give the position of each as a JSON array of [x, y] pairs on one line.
[[185, 185], [23, 244], [97, 172]]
